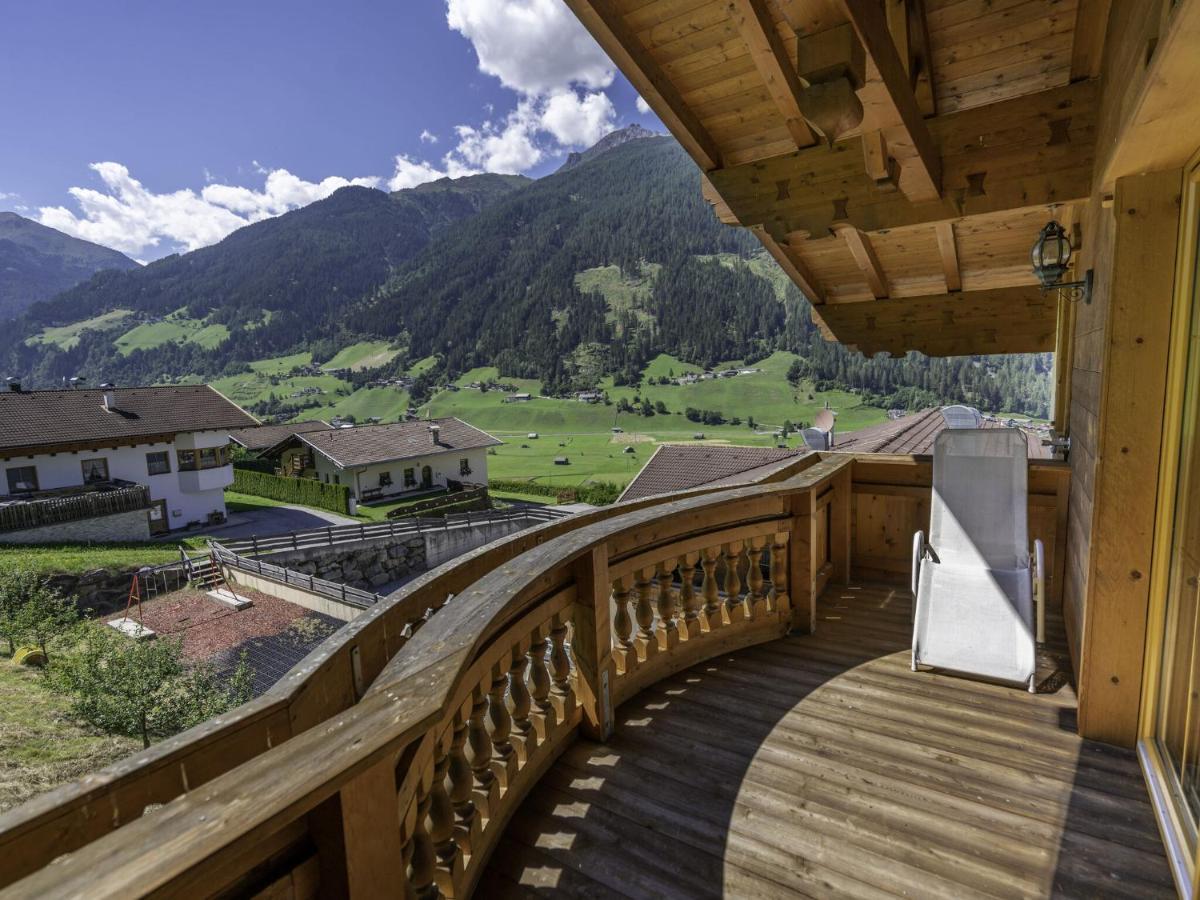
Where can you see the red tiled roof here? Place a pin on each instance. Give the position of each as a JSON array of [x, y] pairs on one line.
[[365, 445], [43, 421], [261, 437], [677, 467], [915, 434]]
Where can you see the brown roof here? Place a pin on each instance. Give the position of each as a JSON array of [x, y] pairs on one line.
[[915, 434], [46, 421], [364, 445], [677, 467], [260, 437]]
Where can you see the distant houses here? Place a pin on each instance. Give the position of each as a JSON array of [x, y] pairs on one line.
[[379, 461], [111, 464]]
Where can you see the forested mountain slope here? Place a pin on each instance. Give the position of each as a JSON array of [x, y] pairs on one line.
[[37, 262], [589, 272]]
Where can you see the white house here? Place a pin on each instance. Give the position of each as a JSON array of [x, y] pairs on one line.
[[64, 453], [377, 461]]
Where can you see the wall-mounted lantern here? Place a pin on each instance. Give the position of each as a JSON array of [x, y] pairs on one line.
[[1051, 257]]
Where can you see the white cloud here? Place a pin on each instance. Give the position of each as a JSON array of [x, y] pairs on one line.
[[4, 196], [574, 120], [643, 107], [532, 46], [129, 217], [428, 137], [410, 172]]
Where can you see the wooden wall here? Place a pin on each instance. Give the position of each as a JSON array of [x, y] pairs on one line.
[[891, 503]]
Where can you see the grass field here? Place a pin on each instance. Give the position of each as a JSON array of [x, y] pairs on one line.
[[388, 403], [620, 292], [174, 328], [67, 336], [77, 558], [363, 355], [41, 744], [281, 365]]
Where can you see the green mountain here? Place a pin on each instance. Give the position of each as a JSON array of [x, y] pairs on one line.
[[590, 272], [37, 262]]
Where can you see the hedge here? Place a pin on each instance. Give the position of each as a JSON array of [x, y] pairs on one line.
[[304, 491], [599, 493], [255, 465]]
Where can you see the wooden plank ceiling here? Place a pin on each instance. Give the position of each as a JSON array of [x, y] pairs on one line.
[[897, 157]]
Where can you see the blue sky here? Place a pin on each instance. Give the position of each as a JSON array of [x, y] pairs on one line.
[[154, 127]]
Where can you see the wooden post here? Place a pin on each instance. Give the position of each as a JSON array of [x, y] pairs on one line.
[[357, 833], [841, 518], [592, 644], [802, 569]]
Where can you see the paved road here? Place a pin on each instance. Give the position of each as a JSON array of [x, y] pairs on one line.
[[269, 520]]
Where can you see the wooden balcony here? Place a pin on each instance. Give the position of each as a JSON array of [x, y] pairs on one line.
[[624, 703]]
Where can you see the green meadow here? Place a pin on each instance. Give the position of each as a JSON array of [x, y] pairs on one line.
[[176, 327], [67, 336]]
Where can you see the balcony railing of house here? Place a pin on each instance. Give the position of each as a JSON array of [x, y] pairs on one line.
[[86, 503], [397, 752]]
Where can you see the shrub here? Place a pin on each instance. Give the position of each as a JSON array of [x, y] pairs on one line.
[[255, 464], [305, 491], [598, 493]]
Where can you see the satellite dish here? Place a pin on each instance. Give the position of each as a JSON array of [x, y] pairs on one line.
[[824, 420]]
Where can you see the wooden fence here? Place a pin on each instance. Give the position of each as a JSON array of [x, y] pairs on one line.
[[37, 513]]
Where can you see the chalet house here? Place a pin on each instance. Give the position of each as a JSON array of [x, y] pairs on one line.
[[113, 463], [258, 438], [378, 461]]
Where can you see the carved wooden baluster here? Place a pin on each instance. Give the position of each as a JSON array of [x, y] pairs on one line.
[[624, 651], [539, 680], [459, 784], [778, 599], [688, 599], [733, 553], [561, 695], [756, 598], [504, 761], [647, 643], [441, 820], [668, 629], [711, 618], [519, 704], [406, 858], [423, 868], [479, 752]]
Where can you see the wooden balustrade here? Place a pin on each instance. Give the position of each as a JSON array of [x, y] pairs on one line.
[[458, 714]]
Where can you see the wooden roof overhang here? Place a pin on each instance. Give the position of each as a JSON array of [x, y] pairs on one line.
[[897, 157]]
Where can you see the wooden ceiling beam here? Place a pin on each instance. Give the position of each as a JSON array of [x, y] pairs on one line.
[[921, 68], [608, 27], [870, 24], [1087, 46], [948, 250], [1004, 320], [864, 257], [770, 56], [795, 268], [1030, 151]]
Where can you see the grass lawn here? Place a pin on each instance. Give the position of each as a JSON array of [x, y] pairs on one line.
[[378, 512], [541, 499], [238, 502], [175, 328], [280, 365], [67, 336], [363, 355], [76, 558], [41, 744]]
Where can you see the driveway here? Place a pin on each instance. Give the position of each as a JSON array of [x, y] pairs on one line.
[[270, 520]]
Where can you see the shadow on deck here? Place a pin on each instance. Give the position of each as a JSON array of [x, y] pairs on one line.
[[821, 766]]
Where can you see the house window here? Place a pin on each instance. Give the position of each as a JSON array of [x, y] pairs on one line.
[[337, 479], [158, 463], [22, 479], [95, 470], [385, 479], [410, 478], [327, 478], [464, 467], [208, 458]]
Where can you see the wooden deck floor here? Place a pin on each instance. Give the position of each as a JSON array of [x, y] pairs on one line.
[[821, 766]]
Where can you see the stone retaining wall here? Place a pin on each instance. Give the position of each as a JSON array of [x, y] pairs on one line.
[[98, 592], [367, 564]]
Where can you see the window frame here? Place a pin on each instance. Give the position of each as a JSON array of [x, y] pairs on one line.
[[9, 470], [94, 461], [165, 457]]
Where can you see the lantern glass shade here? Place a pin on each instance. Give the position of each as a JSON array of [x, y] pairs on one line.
[[1051, 254]]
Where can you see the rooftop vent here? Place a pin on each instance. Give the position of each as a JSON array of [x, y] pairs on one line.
[[435, 431], [14, 384], [110, 398], [76, 381]]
